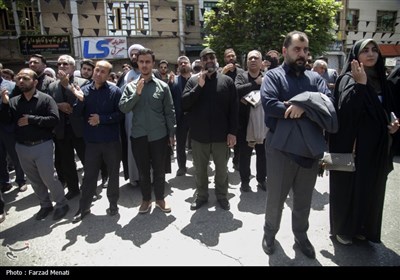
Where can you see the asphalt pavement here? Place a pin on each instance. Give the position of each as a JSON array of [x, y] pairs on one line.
[[209, 236]]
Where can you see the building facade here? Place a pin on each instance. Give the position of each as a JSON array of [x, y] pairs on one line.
[[100, 29], [379, 20]]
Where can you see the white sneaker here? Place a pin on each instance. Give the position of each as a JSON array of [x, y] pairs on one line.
[[343, 239]]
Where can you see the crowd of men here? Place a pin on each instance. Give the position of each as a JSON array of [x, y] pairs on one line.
[[138, 118]]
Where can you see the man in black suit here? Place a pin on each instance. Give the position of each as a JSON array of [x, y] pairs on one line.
[[69, 131]]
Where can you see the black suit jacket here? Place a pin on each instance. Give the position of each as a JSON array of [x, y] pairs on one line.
[[56, 91]]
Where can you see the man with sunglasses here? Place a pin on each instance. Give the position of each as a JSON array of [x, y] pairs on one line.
[[162, 72], [210, 98], [69, 130]]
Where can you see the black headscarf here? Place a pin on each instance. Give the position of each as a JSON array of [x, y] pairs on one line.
[[375, 75]]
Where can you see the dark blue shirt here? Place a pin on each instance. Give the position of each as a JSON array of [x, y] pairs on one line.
[[280, 84], [104, 102]]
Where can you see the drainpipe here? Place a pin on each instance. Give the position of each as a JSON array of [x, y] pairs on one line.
[[40, 18], [181, 24], [16, 19], [75, 32]]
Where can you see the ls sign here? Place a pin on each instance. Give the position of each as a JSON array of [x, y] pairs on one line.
[[104, 48]]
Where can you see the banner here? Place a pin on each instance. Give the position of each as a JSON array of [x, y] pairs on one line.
[[45, 44]]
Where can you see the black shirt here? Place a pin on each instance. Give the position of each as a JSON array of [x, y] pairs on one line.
[[43, 116], [213, 108]]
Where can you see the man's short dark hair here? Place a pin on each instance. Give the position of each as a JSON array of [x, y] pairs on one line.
[[41, 57], [88, 62], [146, 51], [288, 39]]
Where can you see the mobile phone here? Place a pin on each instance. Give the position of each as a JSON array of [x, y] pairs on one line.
[[393, 117], [71, 86]]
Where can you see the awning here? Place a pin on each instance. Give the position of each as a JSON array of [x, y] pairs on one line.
[[390, 50]]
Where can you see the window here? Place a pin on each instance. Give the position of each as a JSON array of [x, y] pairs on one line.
[[386, 21], [7, 25], [209, 5], [134, 18], [26, 17], [117, 18], [28, 20], [190, 21], [352, 19]]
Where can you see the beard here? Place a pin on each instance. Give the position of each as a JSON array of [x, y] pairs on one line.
[[184, 70], [134, 64], [298, 65], [26, 88], [211, 67]]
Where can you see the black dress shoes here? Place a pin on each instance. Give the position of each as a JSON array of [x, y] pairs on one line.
[[112, 211], [43, 213], [268, 245], [224, 203], [70, 195], [306, 247], [197, 204], [80, 215], [60, 212], [6, 188]]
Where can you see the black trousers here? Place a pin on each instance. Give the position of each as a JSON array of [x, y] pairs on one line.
[[7, 146], [67, 147], [95, 154], [150, 155], [245, 152], [182, 131]]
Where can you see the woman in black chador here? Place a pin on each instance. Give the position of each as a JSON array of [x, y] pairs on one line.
[[363, 103]]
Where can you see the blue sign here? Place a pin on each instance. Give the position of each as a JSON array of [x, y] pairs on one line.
[[104, 48]]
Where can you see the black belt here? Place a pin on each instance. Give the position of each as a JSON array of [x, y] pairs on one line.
[[32, 143]]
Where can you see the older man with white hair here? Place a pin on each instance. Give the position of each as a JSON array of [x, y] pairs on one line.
[[69, 130]]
